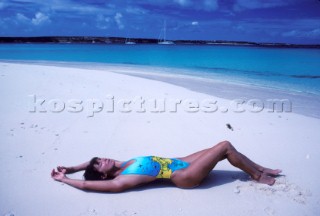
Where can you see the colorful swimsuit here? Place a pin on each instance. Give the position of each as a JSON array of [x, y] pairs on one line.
[[154, 166]]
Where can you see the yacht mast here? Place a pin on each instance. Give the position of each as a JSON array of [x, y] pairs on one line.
[[164, 30]]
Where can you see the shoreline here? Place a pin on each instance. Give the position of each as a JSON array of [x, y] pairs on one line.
[[306, 104]]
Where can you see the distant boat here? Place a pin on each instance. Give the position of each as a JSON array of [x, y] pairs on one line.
[[163, 40], [128, 42]]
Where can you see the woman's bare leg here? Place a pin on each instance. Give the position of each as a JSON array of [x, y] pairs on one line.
[[192, 157], [262, 169], [207, 159]]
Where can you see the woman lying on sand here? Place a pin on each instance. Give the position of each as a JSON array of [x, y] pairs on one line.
[[108, 175]]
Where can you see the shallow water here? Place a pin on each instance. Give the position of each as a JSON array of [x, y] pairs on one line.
[[255, 71]]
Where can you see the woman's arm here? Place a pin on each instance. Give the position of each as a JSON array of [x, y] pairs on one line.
[[73, 169], [115, 185]]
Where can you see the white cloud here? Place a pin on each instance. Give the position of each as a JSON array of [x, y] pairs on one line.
[[292, 33], [40, 18], [2, 5], [77, 8], [315, 33], [102, 18], [207, 5], [194, 23], [135, 10], [183, 2], [103, 22], [22, 18], [241, 5], [210, 5], [239, 28], [118, 19], [300, 28]]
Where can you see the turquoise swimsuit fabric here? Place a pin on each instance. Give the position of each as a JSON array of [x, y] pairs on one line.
[[154, 166]]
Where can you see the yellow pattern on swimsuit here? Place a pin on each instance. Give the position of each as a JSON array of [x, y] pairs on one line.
[[164, 172]]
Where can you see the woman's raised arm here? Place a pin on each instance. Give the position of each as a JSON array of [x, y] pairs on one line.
[[115, 185], [73, 169]]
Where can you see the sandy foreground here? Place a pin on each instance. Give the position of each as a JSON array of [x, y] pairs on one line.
[[44, 125]]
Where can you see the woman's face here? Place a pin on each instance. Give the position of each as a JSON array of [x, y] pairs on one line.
[[104, 165]]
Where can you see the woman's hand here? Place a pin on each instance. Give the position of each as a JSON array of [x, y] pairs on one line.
[[65, 170], [58, 176]]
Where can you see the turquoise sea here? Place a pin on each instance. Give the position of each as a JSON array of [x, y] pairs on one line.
[[280, 69]]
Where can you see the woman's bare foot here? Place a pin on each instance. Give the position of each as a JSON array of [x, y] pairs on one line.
[[265, 179], [271, 172]]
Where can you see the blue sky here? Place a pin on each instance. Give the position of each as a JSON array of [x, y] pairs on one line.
[[289, 21]]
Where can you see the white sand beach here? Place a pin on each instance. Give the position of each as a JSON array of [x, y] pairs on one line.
[[43, 125]]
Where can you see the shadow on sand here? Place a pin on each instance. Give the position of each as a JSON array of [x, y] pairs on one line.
[[214, 179], [221, 177]]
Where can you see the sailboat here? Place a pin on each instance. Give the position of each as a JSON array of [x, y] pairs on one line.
[[128, 42], [163, 41]]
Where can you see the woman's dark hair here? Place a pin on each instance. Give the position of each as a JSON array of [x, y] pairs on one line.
[[91, 173]]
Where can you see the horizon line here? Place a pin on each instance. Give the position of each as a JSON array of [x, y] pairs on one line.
[[195, 41]]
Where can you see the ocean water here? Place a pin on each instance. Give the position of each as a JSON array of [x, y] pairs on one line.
[[279, 69], [294, 69]]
